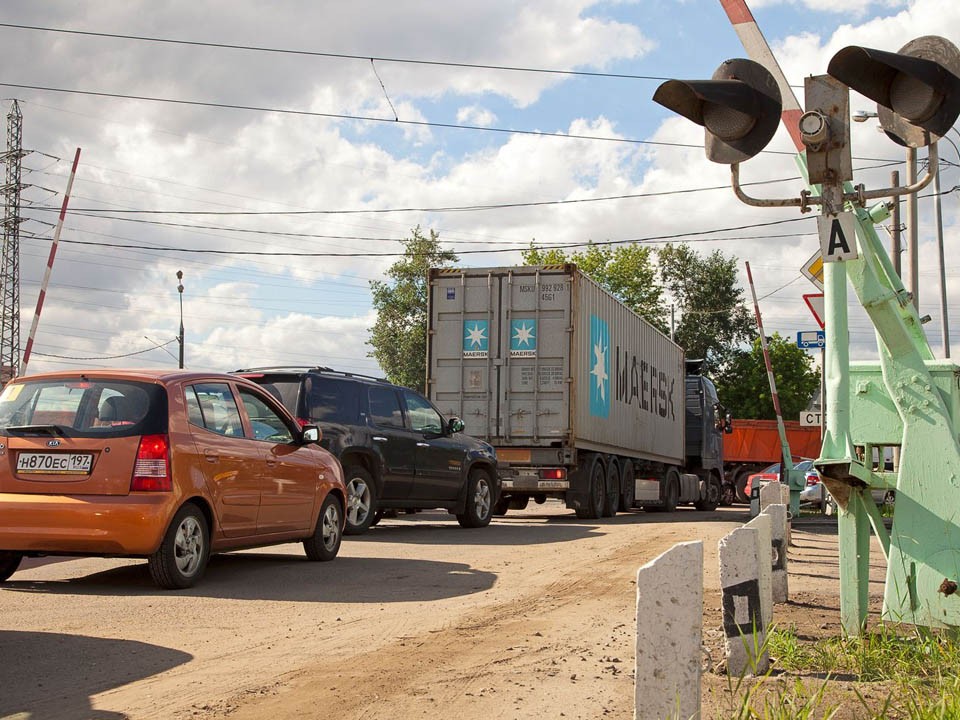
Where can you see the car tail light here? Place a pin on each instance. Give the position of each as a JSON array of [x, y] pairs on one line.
[[812, 480], [151, 472], [303, 422], [553, 474]]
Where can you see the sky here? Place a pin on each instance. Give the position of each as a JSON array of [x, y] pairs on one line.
[[280, 174]]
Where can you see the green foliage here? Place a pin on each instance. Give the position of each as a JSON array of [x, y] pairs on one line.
[[628, 272], [713, 320], [743, 385], [399, 336]]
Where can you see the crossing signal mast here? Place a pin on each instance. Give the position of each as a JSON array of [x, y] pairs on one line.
[[907, 399]]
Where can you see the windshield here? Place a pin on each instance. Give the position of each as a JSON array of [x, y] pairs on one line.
[[77, 407]]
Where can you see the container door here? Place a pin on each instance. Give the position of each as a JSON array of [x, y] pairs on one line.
[[464, 327], [535, 350]]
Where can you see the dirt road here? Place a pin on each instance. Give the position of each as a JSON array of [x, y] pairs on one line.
[[529, 618]]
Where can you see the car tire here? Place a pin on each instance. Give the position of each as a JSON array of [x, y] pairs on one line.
[[182, 557], [324, 544], [479, 504], [361, 500], [596, 490], [9, 562]]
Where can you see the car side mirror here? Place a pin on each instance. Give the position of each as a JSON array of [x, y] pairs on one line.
[[311, 434], [728, 424], [455, 425]]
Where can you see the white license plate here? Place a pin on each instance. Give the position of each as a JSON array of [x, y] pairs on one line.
[[54, 463]]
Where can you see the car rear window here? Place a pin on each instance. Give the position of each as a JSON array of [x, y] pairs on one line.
[[78, 407]]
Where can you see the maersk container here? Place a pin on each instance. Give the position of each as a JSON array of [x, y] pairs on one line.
[[563, 379]]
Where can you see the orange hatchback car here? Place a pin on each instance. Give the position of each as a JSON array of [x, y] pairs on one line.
[[169, 466]]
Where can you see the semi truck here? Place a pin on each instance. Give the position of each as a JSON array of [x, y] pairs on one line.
[[582, 398], [753, 445]]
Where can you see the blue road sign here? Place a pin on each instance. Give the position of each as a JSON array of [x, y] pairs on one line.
[[807, 339]]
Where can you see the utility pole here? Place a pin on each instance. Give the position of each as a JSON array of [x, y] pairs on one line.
[[180, 291], [10, 259], [895, 246]]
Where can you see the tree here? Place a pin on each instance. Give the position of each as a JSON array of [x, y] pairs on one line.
[[399, 335], [627, 272], [713, 318], [744, 389]]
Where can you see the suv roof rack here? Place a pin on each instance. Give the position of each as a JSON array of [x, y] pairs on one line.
[[314, 368]]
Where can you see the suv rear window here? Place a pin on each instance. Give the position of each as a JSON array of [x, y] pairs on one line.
[[331, 400], [83, 408]]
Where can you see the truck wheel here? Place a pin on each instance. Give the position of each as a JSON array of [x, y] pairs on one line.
[[671, 491], [628, 487], [729, 495], [712, 500], [519, 502], [596, 490], [479, 508], [611, 501]]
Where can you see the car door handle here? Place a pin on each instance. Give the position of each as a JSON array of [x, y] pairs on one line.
[[211, 456], [378, 438], [421, 444], [271, 463]]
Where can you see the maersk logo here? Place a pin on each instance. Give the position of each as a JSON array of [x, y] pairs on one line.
[[523, 338], [476, 338], [599, 367]]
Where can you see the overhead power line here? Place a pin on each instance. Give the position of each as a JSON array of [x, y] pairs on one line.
[[281, 253], [361, 118], [341, 56]]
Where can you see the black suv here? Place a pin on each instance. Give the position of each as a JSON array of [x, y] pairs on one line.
[[397, 450]]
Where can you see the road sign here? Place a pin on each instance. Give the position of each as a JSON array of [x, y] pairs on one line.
[[813, 270], [807, 339], [838, 239], [809, 417], [815, 303]]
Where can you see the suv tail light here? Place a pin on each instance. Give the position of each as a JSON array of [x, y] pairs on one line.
[[151, 472], [303, 422]]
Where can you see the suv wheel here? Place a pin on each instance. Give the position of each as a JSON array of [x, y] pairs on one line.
[[479, 507], [361, 500]]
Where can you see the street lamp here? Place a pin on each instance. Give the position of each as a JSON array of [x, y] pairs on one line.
[[180, 290]]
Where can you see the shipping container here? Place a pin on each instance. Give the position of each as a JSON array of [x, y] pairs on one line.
[[581, 397]]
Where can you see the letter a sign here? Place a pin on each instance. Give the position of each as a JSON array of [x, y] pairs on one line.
[[838, 240]]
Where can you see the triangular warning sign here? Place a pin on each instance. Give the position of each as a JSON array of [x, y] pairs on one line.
[[815, 303]]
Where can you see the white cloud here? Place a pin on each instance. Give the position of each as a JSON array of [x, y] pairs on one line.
[[475, 115]]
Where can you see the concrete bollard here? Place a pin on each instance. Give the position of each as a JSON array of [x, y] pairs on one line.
[[774, 493], [779, 539], [669, 630], [765, 553], [743, 625]]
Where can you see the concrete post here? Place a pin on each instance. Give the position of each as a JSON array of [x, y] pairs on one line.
[[762, 524], [669, 631], [742, 615], [779, 541]]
